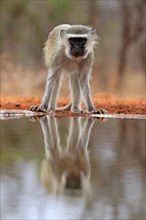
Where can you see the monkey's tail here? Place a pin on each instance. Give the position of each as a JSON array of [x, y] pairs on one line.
[[64, 108]]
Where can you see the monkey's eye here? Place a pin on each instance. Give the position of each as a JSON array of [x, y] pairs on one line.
[[83, 41], [71, 41]]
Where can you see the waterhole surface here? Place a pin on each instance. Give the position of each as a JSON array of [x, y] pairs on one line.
[[72, 168]]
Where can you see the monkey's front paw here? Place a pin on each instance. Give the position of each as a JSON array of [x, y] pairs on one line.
[[99, 111], [35, 108]]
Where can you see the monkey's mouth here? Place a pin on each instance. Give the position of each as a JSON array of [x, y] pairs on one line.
[[77, 52]]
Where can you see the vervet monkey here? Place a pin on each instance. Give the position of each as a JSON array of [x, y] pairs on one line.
[[66, 167], [69, 50]]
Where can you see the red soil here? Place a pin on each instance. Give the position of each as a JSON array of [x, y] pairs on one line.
[[109, 102]]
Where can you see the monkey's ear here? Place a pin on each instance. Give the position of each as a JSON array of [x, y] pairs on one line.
[[62, 32], [93, 31]]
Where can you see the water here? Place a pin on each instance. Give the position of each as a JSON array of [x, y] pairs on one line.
[[72, 168]]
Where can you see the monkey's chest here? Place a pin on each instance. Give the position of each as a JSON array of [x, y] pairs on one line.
[[70, 68]]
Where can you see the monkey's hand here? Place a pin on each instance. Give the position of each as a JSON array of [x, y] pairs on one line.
[[99, 111], [35, 108]]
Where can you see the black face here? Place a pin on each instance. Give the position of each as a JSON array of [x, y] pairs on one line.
[[77, 46]]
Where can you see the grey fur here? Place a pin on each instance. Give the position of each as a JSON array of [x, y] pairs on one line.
[[59, 59]]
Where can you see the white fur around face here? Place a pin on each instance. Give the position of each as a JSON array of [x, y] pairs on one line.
[[89, 46]]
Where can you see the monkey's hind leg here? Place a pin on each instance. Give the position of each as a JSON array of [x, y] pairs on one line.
[[76, 94], [54, 94], [87, 97], [50, 95]]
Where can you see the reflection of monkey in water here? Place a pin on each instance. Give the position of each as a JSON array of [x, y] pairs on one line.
[[66, 168]]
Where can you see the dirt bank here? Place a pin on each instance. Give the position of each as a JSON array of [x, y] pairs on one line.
[[109, 102]]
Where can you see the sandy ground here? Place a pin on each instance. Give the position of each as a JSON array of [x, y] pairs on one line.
[[109, 102]]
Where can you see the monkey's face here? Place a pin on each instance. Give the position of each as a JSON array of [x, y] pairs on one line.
[[78, 41], [77, 46]]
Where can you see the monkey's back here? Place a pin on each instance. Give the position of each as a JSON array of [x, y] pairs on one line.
[[52, 43]]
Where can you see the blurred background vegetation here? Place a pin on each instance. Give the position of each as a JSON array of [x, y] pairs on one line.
[[120, 57]]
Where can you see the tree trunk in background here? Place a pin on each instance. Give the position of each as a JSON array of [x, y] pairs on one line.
[[125, 40], [132, 31], [142, 52], [93, 13]]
